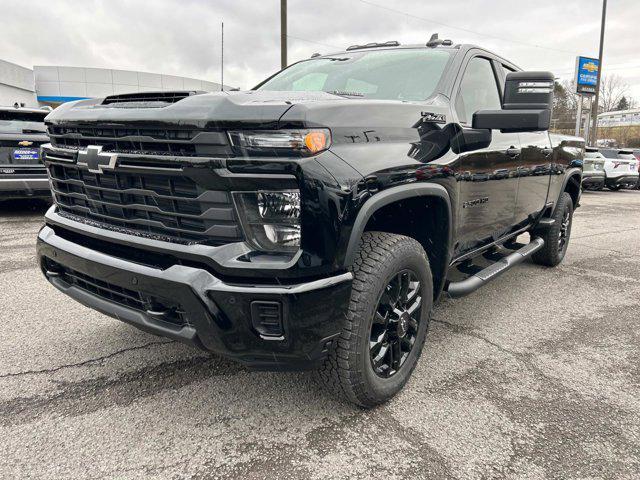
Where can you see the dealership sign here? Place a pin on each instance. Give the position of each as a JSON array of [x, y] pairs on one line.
[[586, 75]]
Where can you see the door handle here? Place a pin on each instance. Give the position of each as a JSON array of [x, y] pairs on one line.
[[513, 152], [547, 152]]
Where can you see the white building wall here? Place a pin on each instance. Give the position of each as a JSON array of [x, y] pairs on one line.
[[59, 84], [16, 85]]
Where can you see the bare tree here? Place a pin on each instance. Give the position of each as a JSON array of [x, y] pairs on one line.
[[612, 90]]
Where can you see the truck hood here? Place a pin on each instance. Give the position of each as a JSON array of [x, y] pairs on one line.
[[210, 110], [250, 109]]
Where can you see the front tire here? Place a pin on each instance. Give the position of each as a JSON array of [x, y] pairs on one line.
[[386, 323], [556, 238]]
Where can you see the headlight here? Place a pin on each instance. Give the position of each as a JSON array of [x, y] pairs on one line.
[[279, 142], [270, 220]]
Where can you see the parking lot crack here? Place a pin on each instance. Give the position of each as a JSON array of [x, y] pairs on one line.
[[85, 362]]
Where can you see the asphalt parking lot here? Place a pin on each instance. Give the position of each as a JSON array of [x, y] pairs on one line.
[[535, 376]]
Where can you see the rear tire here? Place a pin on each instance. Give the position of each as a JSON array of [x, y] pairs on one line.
[[556, 238], [385, 326]]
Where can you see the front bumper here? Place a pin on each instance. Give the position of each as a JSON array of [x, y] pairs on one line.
[[213, 315], [24, 187]]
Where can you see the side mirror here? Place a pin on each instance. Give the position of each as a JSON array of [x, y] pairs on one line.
[[470, 139], [526, 106]]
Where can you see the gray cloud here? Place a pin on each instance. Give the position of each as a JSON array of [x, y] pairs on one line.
[[183, 36]]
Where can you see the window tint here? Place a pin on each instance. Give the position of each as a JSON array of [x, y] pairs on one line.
[[478, 90]]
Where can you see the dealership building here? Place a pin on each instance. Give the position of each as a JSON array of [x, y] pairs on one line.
[[51, 85]]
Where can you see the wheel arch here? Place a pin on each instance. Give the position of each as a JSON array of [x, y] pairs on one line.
[[571, 185], [394, 211]]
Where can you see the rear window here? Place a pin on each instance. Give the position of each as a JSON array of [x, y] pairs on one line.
[[19, 116], [593, 155], [626, 156], [17, 121], [609, 153]]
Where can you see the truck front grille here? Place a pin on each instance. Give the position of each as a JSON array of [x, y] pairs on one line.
[[157, 205], [141, 140]]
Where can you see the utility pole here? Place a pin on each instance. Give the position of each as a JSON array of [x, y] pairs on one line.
[[283, 33], [222, 57], [594, 109]]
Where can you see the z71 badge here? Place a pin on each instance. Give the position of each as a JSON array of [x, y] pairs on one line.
[[433, 117]]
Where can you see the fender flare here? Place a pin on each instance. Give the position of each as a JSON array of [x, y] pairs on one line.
[[392, 195], [571, 173]]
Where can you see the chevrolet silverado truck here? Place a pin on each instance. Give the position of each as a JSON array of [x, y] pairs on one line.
[[313, 221], [22, 173]]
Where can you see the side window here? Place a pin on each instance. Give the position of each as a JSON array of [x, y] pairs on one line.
[[478, 90]]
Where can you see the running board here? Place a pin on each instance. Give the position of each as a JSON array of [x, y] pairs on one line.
[[474, 282]]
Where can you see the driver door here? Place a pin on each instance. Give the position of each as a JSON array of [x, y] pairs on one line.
[[487, 178]]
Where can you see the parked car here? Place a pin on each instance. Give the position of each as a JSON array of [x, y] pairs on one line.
[[311, 222], [593, 176], [22, 173], [636, 153], [621, 168]]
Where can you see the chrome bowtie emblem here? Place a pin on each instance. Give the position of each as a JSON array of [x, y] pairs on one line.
[[95, 160]]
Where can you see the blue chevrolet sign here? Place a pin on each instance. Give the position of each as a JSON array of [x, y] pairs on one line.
[[586, 74]]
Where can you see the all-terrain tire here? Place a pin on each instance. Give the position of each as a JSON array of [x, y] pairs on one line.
[[348, 371], [556, 238]]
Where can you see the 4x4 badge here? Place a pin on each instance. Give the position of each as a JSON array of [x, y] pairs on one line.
[[433, 117], [95, 160]]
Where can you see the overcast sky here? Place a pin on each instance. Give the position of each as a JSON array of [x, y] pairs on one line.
[[182, 37]]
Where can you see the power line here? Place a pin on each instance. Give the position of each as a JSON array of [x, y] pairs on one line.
[[314, 42], [428, 20]]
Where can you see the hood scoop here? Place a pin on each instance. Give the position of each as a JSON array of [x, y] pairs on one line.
[[148, 99]]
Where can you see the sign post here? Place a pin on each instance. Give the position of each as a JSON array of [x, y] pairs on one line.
[[586, 79]]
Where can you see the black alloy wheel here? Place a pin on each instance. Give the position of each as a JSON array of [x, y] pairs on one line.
[[395, 324], [565, 230]]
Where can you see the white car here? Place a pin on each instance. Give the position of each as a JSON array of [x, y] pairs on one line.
[[593, 176], [621, 168]]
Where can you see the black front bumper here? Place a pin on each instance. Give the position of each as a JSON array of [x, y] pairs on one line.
[[213, 315]]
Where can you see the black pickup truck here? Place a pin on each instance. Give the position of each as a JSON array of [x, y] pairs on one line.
[[22, 173], [312, 222]]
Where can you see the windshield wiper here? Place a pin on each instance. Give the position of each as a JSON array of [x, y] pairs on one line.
[[343, 93]]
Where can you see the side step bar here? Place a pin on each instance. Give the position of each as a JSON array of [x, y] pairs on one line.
[[474, 282]]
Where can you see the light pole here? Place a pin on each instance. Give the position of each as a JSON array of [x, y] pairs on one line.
[[283, 33], [594, 109]]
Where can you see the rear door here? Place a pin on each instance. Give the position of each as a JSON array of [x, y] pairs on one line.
[[534, 169], [534, 175], [487, 178]]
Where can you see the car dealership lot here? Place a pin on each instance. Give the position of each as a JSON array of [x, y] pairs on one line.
[[536, 375]]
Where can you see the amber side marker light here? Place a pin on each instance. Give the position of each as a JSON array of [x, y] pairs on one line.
[[316, 141]]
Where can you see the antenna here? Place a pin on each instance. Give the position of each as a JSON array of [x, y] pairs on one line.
[[222, 57]]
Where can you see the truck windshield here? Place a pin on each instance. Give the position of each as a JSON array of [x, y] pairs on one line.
[[18, 121], [399, 74]]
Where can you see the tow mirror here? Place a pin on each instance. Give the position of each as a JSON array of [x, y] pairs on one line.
[[470, 139], [526, 106]]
